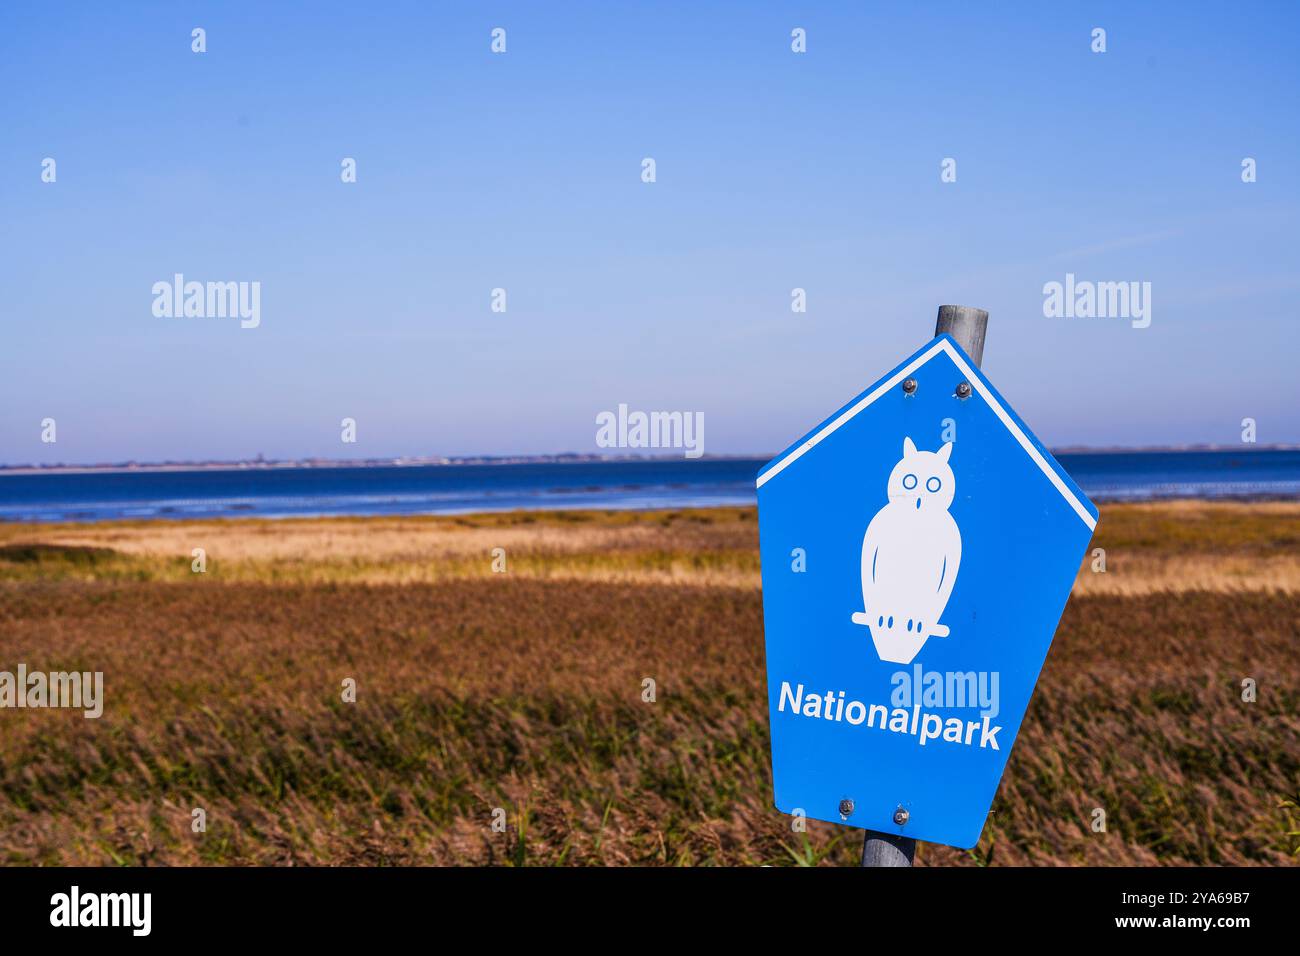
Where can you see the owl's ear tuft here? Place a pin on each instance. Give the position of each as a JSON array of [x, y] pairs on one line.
[[945, 452], [908, 447]]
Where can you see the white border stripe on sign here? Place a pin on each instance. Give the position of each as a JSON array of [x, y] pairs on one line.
[[943, 345]]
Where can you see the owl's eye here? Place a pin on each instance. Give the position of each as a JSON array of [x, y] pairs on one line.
[[933, 484], [909, 482]]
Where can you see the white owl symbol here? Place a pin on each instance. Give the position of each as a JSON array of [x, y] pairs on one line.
[[910, 556]]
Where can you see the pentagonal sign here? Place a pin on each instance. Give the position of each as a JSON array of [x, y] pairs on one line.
[[918, 548]]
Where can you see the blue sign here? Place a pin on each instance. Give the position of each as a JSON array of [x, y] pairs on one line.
[[918, 548]]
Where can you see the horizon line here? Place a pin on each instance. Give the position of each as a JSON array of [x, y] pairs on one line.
[[415, 461]]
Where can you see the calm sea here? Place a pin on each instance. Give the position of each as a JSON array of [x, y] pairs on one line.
[[452, 489]]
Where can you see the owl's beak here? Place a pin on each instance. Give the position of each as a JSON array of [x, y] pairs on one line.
[[918, 502]]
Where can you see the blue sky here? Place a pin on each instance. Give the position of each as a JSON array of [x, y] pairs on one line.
[[775, 170]]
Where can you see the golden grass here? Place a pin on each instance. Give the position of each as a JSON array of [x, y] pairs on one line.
[[1150, 548], [523, 691]]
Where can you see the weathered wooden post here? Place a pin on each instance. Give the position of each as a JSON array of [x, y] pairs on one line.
[[967, 326]]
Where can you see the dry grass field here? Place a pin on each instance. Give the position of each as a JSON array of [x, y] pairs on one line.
[[522, 690]]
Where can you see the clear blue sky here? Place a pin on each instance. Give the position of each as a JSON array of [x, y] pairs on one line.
[[522, 171]]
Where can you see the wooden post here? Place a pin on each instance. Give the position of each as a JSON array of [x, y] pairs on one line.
[[967, 326]]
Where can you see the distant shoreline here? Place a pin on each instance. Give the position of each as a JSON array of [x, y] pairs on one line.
[[560, 459], [471, 486]]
